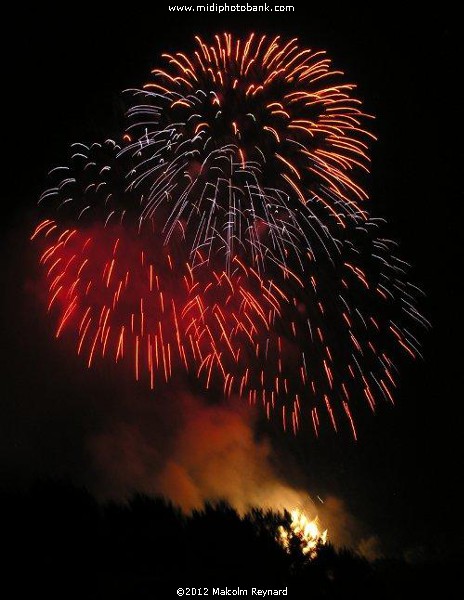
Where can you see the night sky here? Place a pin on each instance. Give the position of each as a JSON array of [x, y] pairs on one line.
[[62, 84]]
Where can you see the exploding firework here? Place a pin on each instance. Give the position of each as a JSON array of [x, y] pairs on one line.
[[115, 295], [123, 298], [251, 145], [223, 238]]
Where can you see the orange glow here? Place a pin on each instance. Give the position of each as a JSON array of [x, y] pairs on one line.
[[307, 531]]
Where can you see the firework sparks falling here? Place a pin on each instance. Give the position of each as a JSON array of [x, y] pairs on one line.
[[224, 237], [123, 298]]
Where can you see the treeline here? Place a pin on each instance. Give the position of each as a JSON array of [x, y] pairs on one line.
[[59, 541]]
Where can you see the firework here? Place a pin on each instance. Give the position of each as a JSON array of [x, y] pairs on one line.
[[223, 237], [252, 145], [316, 345], [122, 297]]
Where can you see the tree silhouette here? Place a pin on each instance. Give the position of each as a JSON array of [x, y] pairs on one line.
[[58, 540]]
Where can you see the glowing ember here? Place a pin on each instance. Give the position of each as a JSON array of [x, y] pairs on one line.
[[307, 531]]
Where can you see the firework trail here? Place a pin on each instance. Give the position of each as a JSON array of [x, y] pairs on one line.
[[224, 237]]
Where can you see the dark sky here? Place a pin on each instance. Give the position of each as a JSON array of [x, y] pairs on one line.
[[62, 84]]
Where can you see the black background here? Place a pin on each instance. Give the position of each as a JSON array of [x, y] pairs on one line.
[[63, 70]]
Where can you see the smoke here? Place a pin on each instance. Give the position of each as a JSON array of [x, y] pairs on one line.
[[209, 453], [213, 453]]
